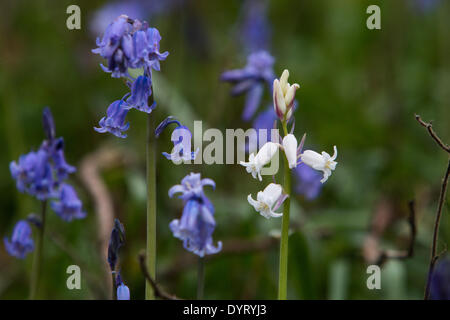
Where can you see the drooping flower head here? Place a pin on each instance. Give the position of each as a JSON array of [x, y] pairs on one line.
[[114, 122], [129, 43], [321, 162], [123, 292], [181, 138], [33, 174], [197, 224], [257, 162], [191, 187], [140, 92], [251, 80], [21, 242], [116, 241], [68, 206], [268, 201]]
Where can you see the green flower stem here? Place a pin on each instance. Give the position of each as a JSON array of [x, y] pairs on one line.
[[200, 278], [283, 269], [151, 203], [37, 259]]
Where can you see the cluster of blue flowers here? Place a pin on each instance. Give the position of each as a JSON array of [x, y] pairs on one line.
[[129, 44], [197, 224], [42, 174]]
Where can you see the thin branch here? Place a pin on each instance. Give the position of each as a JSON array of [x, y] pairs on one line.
[[159, 293], [429, 127], [434, 255]]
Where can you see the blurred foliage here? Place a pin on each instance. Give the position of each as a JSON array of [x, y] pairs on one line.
[[360, 90]]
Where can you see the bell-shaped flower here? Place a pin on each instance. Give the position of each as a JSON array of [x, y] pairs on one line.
[[263, 157], [196, 226], [21, 242], [55, 150], [290, 149], [68, 206], [321, 162], [116, 241], [114, 122], [191, 186], [123, 292], [268, 201], [33, 174], [181, 138], [251, 80], [284, 96], [140, 92], [116, 47]]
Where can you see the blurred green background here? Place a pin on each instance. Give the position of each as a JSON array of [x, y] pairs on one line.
[[360, 90]]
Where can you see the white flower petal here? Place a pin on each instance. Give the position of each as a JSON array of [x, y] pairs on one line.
[[290, 149]]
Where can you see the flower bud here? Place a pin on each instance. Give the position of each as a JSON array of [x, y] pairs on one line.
[[284, 96]]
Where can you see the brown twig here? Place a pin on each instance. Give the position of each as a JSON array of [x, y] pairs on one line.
[[434, 255], [429, 127], [159, 293]]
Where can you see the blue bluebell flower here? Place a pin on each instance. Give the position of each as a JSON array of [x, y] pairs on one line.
[[308, 181], [114, 122], [251, 80], [140, 91], [116, 241], [146, 49], [191, 186], [55, 150], [21, 242], [440, 281], [181, 138], [116, 47], [197, 224], [123, 292], [68, 206], [129, 43], [33, 174]]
